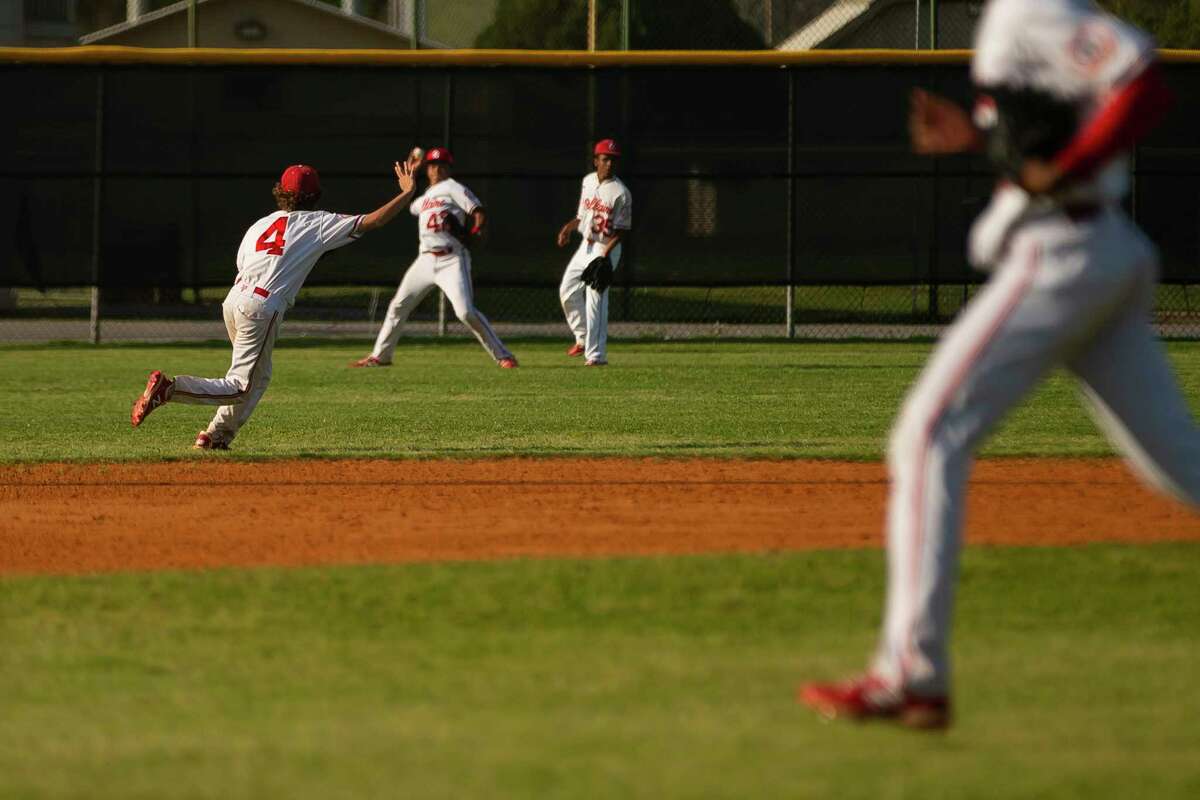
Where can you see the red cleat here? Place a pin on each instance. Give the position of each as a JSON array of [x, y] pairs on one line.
[[870, 697], [508, 363], [575, 350], [205, 441], [158, 391], [370, 361]]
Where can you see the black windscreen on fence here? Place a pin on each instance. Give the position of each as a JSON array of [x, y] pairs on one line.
[[151, 174]]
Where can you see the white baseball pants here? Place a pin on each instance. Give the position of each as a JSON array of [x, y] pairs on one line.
[[1076, 294], [585, 308], [452, 274], [252, 324]]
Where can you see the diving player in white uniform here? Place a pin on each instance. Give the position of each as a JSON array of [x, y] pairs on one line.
[[276, 255], [604, 216], [1073, 285], [443, 213]]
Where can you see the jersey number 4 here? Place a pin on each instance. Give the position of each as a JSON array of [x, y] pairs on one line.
[[272, 238]]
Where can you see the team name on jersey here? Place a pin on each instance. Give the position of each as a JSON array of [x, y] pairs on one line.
[[433, 202], [596, 204]]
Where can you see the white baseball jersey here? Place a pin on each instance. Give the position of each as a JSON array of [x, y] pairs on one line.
[[1070, 49], [279, 250], [1067, 48], [1068, 292], [431, 209], [603, 208]]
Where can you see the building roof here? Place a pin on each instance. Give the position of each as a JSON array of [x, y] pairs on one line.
[[830, 22], [98, 37], [845, 19]]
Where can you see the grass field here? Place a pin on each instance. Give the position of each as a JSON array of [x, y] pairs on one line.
[[446, 399], [624, 678], [658, 677]]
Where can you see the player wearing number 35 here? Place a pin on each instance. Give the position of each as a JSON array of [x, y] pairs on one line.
[[450, 219], [603, 218], [275, 257]]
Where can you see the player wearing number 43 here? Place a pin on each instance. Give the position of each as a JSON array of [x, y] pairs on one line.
[[604, 216], [274, 259], [449, 218]]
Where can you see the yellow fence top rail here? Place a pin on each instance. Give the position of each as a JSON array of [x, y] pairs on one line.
[[98, 54], [101, 54]]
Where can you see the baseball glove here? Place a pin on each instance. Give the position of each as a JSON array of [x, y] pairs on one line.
[[453, 227], [598, 274], [1028, 124]]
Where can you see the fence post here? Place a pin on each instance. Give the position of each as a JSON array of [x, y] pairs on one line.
[[591, 25], [624, 24], [790, 313], [446, 129], [917, 26], [934, 309], [191, 24], [933, 25], [193, 258], [97, 206], [628, 250]]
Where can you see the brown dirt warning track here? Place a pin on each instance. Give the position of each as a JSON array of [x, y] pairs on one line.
[[81, 518]]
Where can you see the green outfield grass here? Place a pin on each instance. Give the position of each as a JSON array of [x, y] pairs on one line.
[[655, 677], [447, 399], [670, 677]]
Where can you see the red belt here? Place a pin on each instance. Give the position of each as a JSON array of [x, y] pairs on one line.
[[258, 290], [440, 252]]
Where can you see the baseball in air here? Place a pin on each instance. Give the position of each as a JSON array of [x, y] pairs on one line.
[[416, 155]]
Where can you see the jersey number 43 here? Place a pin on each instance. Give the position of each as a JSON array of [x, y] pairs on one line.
[[272, 238], [438, 221]]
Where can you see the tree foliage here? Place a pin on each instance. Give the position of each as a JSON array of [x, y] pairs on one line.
[[654, 25], [1174, 23]]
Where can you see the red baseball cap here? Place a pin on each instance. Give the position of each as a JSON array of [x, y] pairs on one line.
[[607, 147], [300, 179], [439, 155]]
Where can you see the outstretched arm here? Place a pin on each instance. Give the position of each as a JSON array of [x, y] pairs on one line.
[[387, 212]]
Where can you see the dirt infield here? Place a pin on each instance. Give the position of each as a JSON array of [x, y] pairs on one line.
[[60, 518]]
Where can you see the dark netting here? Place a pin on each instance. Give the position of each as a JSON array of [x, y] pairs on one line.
[[50, 126], [709, 231], [526, 123], [1166, 198], [189, 155], [46, 239]]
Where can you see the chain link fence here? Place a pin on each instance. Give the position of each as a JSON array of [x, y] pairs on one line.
[[743, 24], [819, 313], [547, 24], [835, 310]]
